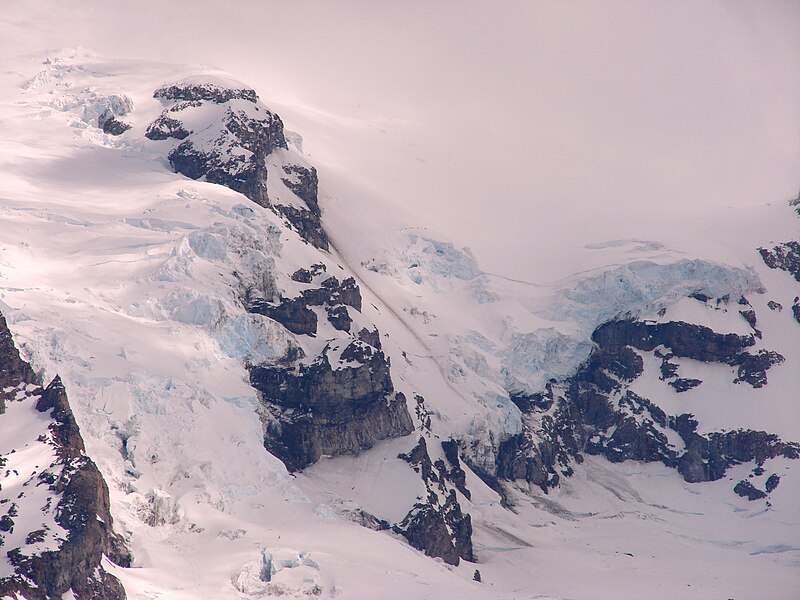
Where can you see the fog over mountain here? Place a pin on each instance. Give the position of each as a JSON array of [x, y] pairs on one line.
[[485, 121]]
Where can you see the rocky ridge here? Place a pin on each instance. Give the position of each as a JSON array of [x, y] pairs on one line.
[[61, 548], [226, 136], [338, 398], [225, 281], [341, 399], [596, 412], [320, 409], [437, 525]]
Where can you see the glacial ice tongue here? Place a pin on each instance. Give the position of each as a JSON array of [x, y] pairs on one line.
[[637, 289]]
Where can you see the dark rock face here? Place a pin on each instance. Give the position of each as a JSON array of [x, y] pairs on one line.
[[343, 400], [705, 458], [111, 125], [339, 402], [339, 317], [457, 475], [437, 526], [634, 437], [164, 128], [315, 409], [785, 257], [747, 490], [796, 309], [216, 164], [700, 296], [308, 275], [708, 457], [753, 367], [685, 340], [543, 453], [13, 370], [231, 149], [199, 92], [295, 313], [307, 223], [772, 482], [749, 316], [331, 388], [593, 412], [427, 527], [82, 504], [304, 183], [684, 385], [373, 338], [116, 106]]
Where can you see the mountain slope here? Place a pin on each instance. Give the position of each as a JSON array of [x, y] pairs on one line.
[[165, 249], [61, 549]]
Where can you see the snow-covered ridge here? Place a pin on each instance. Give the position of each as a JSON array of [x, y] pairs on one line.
[[213, 87], [140, 287], [55, 526], [533, 333], [158, 342]]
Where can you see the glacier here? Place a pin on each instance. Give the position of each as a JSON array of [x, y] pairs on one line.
[[126, 279]]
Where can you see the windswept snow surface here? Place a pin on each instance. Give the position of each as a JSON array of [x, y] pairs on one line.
[[117, 274]]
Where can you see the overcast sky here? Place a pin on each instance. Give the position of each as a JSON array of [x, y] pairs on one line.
[[511, 127]]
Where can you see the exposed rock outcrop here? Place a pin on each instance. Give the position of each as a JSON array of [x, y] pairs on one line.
[[320, 408], [295, 313], [111, 107], [745, 489], [748, 488], [457, 475], [594, 412], [437, 525], [14, 372], [111, 125], [216, 163], [227, 141], [785, 257], [341, 401], [709, 456], [304, 183], [549, 444], [307, 223], [685, 340], [633, 428], [165, 127], [48, 562], [204, 91]]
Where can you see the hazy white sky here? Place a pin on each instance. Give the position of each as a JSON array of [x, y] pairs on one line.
[[513, 127]]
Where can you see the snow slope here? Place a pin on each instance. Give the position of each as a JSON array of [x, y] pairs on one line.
[[113, 277], [117, 274]]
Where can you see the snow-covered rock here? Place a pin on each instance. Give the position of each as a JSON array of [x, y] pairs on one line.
[[212, 335]]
